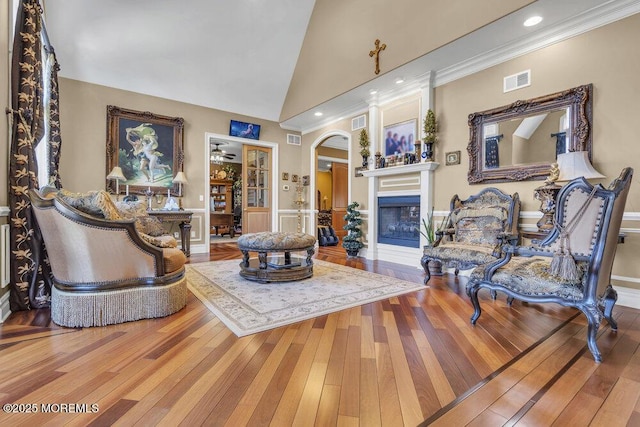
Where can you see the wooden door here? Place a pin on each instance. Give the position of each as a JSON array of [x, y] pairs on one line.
[[340, 195], [256, 189]]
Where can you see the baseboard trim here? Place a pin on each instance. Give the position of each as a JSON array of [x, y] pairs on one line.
[[5, 309]]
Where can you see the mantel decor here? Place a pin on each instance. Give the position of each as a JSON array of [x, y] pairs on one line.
[[572, 108], [147, 147]]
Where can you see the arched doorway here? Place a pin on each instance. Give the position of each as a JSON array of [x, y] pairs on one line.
[[331, 181]]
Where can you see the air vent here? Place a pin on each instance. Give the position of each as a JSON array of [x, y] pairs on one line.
[[517, 81], [358, 122], [293, 139]]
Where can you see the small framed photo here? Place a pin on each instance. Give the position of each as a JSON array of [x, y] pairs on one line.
[[400, 138], [294, 178], [452, 158], [306, 180], [285, 176]]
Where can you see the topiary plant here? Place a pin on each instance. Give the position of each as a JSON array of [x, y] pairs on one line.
[[351, 242]]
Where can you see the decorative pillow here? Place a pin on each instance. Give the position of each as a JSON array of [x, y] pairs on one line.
[[144, 223], [96, 203], [478, 230], [164, 241], [150, 225]]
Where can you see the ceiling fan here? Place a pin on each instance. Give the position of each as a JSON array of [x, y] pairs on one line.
[[218, 155]]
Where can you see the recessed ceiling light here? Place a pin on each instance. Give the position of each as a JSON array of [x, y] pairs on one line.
[[317, 113], [534, 20], [373, 91], [399, 80]]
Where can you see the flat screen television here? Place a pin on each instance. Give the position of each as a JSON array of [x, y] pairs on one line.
[[244, 130]]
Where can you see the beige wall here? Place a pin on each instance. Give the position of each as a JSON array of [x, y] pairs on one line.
[[324, 184], [83, 122], [335, 52], [609, 58], [83, 118]]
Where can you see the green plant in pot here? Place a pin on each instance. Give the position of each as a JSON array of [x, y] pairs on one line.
[[430, 134], [351, 242], [428, 230], [364, 147]]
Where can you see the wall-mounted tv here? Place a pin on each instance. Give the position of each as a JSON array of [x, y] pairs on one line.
[[244, 130]]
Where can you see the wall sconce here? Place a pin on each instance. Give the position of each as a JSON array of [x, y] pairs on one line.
[[116, 173]]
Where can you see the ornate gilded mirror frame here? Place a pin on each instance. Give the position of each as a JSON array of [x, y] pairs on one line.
[[579, 103]]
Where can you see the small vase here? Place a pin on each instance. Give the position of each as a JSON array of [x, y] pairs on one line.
[[428, 149], [365, 161]]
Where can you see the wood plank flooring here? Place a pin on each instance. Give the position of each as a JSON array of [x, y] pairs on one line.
[[406, 361]]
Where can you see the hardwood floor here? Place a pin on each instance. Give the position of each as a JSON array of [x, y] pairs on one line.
[[408, 360]]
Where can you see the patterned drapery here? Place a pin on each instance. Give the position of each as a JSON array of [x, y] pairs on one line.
[[492, 160], [30, 273]]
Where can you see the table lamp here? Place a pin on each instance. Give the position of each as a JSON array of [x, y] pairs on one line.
[[116, 173], [571, 165], [180, 179]]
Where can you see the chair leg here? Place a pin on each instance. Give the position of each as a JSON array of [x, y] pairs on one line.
[[609, 300], [494, 294], [510, 301], [593, 319], [424, 261], [472, 291]]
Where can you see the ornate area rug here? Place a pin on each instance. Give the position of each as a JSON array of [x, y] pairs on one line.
[[248, 307]]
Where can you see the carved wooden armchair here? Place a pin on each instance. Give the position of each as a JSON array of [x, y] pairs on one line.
[[471, 233], [106, 270], [572, 266]]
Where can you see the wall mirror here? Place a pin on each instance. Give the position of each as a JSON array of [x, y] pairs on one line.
[[519, 141]]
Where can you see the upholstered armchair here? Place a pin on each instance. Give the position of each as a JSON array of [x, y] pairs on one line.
[[473, 231], [106, 269], [572, 266]]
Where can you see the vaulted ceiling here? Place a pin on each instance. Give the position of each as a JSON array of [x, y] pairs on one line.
[[239, 56]]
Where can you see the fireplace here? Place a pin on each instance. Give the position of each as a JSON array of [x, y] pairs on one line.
[[399, 221]]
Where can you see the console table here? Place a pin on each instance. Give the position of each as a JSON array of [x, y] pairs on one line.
[[183, 218], [218, 219]]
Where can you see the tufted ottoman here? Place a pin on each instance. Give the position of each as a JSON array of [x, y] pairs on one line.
[[276, 268]]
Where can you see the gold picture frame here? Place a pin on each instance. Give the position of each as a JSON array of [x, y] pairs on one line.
[[148, 148]]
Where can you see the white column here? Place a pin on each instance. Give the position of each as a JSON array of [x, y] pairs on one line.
[[372, 222], [426, 100]]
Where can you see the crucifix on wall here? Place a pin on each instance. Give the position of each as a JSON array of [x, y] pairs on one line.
[[376, 52]]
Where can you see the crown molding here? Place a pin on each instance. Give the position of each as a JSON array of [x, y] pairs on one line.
[[585, 22]]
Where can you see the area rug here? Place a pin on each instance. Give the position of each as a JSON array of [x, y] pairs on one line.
[[248, 307]]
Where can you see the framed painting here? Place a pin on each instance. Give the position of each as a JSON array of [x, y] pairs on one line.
[[147, 147], [452, 158], [244, 130], [400, 138]]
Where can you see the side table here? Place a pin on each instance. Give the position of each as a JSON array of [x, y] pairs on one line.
[[183, 218]]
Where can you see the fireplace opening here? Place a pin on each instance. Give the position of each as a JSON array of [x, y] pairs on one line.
[[399, 221]]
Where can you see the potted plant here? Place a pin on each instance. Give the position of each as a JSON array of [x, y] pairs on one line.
[[430, 137], [364, 147], [429, 232], [351, 242]]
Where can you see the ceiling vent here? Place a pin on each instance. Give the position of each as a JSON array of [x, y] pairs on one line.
[[517, 81], [293, 139], [358, 122]]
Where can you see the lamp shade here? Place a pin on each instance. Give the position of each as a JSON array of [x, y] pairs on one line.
[[576, 164], [180, 178], [116, 173]]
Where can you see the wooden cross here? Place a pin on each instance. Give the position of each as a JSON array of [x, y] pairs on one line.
[[376, 52]]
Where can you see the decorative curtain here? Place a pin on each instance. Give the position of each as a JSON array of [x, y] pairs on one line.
[[31, 278], [561, 142], [492, 160]]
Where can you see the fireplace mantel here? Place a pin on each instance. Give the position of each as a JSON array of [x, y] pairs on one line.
[[417, 173], [401, 170]]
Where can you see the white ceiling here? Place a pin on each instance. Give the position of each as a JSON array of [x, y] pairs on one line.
[[232, 55], [239, 55]]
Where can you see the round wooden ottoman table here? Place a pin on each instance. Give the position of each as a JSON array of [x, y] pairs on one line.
[[285, 268]]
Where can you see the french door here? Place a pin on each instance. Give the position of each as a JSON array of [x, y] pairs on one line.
[[256, 189]]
